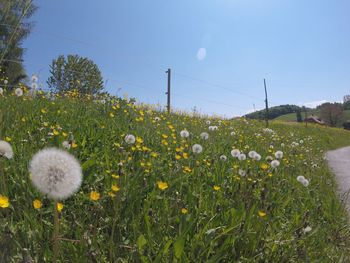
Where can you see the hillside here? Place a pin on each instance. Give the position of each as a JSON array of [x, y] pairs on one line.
[[223, 191], [292, 116]]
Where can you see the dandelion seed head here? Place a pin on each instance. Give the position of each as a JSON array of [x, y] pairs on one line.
[[130, 139], [34, 78], [300, 178], [257, 157], [223, 158], [275, 163], [242, 157], [235, 153], [19, 92], [55, 173], [204, 136], [184, 134], [197, 148], [241, 172], [279, 155], [6, 150], [252, 154]]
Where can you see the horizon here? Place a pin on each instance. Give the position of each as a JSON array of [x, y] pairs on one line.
[[219, 52]]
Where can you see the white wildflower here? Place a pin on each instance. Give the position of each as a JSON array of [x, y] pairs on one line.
[[233, 133], [66, 145], [55, 173], [19, 92], [208, 122], [257, 157], [275, 163], [204, 135], [6, 150], [235, 153], [34, 78], [252, 154], [242, 157], [279, 155], [157, 119], [6, 81], [34, 86], [300, 178], [184, 134], [242, 172], [213, 128], [223, 158], [197, 148], [130, 139]]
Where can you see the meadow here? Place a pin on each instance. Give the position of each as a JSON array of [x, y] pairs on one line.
[[161, 187]]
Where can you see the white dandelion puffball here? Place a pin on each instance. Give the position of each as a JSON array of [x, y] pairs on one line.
[[66, 145], [6, 81], [204, 136], [184, 134], [275, 163], [157, 119], [279, 155], [242, 172], [242, 157], [34, 78], [55, 173], [223, 158], [130, 139], [233, 133], [6, 150], [213, 128], [34, 85], [257, 157], [300, 178], [208, 122], [19, 92], [252, 154], [305, 183], [197, 148], [235, 153]]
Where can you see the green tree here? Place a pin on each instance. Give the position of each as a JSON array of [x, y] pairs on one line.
[[14, 28], [75, 72], [331, 113], [299, 117]]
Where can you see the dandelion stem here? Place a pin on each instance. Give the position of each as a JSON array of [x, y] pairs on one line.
[[55, 233]]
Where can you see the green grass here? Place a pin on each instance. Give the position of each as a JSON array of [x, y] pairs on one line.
[[143, 223], [293, 118]]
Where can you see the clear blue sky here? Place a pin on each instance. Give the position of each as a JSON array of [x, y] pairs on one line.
[[301, 47]]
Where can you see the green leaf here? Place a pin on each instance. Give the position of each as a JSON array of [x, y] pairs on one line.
[[87, 164], [179, 247], [141, 242]]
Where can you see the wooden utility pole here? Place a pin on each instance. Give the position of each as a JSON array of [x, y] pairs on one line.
[[267, 106], [305, 110], [168, 92]]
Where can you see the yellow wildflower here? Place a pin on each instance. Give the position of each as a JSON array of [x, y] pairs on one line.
[[184, 211], [115, 188], [59, 207], [216, 188], [94, 196], [162, 185], [262, 213], [4, 201], [37, 204]]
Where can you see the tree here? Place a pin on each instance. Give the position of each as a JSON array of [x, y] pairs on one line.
[[331, 113], [14, 28], [299, 117], [75, 73]]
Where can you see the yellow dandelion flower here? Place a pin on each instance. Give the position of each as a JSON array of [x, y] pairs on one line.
[[115, 188], [262, 213], [37, 204], [59, 207], [111, 115], [264, 166], [115, 176], [55, 132], [162, 185], [216, 188], [177, 157], [4, 201], [185, 155], [64, 134], [111, 194], [184, 211], [74, 145], [94, 196], [8, 139]]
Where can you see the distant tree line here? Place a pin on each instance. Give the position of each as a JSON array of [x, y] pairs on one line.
[[274, 112]]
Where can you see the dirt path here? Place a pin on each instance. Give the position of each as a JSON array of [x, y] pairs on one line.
[[339, 162]]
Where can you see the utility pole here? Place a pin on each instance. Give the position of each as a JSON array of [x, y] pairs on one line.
[[267, 106], [168, 92], [305, 110]]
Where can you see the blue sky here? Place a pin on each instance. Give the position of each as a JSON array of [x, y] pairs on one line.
[[219, 51]]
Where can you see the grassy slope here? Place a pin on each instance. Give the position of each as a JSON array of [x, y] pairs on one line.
[[292, 116], [143, 223]]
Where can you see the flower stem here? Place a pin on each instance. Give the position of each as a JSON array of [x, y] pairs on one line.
[[55, 233]]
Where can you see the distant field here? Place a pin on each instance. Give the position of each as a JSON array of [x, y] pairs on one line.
[[292, 116]]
